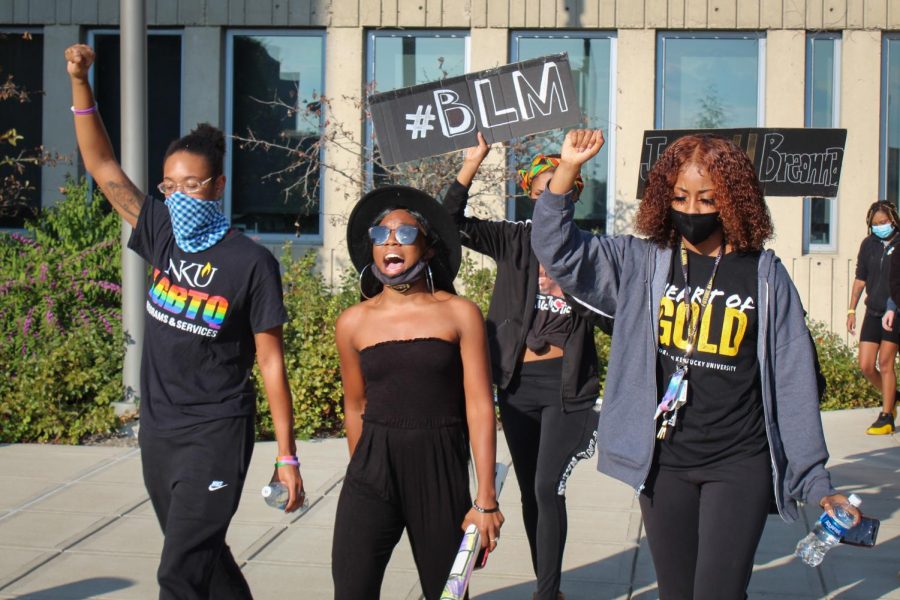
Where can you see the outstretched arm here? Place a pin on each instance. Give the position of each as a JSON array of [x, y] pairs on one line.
[[93, 142]]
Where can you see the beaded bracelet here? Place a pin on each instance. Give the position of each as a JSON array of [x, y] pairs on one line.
[[486, 511], [84, 111]]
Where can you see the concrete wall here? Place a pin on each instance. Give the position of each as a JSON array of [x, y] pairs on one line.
[[823, 279], [538, 14]]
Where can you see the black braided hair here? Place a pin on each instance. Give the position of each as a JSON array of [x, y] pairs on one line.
[[887, 208]]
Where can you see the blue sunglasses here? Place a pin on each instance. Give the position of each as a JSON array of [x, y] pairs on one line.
[[404, 234]]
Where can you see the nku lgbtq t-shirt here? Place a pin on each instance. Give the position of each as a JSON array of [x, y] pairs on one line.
[[202, 311], [723, 418]]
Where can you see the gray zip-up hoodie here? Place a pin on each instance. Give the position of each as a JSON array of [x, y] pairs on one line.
[[623, 277]]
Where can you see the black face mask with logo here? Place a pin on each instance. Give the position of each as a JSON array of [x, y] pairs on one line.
[[695, 228]]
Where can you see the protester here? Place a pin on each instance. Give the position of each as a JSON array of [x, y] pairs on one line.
[[878, 342], [710, 334], [416, 378], [544, 365], [214, 303]]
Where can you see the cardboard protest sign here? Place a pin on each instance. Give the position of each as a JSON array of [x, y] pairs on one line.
[[789, 162], [509, 101]]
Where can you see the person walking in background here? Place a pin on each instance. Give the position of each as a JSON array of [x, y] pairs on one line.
[[732, 413], [417, 393], [544, 365], [214, 304], [878, 341]]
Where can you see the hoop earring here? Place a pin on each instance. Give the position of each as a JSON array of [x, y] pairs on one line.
[[430, 280], [361, 273]]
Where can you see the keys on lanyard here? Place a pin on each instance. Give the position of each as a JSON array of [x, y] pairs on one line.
[[675, 395], [670, 403]]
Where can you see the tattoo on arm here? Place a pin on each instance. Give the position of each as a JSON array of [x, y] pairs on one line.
[[124, 197]]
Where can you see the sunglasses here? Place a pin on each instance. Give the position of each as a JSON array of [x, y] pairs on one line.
[[404, 234]]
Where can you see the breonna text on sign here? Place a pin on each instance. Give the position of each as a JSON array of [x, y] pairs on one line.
[[788, 161], [502, 103]]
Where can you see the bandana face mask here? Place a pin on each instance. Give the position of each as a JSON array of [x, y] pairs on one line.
[[197, 224]]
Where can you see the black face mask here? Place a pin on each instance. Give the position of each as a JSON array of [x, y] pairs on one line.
[[695, 228]]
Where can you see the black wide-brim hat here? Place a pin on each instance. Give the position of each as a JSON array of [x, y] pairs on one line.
[[442, 231]]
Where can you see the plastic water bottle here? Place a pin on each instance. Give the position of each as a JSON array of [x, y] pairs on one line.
[[276, 495], [827, 532]]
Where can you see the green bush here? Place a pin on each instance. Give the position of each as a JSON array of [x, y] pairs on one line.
[[310, 352], [60, 318], [845, 385]]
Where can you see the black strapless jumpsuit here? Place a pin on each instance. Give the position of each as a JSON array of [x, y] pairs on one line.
[[409, 469]]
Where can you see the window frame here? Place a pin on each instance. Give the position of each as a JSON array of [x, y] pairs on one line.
[[371, 34], [886, 39], [808, 246], [663, 36], [19, 31], [609, 132], [230, 33]]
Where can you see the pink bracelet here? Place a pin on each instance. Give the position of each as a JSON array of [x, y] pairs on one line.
[[84, 111]]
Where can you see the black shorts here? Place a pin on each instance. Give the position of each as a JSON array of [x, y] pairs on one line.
[[872, 331]]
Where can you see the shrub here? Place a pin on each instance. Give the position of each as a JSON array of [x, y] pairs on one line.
[[845, 385], [310, 352], [60, 318]]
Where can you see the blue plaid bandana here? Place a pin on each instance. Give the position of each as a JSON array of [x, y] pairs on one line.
[[197, 224]]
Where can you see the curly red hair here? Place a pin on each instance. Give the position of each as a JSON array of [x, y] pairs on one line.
[[742, 209]]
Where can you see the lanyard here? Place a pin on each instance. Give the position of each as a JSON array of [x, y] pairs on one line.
[[688, 305], [675, 395]]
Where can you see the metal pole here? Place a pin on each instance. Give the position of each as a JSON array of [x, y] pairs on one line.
[[133, 74]]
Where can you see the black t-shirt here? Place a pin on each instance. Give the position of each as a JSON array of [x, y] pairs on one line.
[[552, 322], [723, 418], [202, 311]]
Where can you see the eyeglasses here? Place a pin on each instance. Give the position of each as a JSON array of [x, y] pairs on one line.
[[191, 185], [404, 234]]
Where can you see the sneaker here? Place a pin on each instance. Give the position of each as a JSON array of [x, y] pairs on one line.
[[559, 596], [883, 425]]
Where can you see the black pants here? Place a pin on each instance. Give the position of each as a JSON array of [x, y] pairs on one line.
[[704, 525], [194, 478], [417, 479], [545, 443]]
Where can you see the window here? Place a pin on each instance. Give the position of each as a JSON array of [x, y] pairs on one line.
[[163, 95], [890, 119], [274, 83], [22, 64], [591, 58], [709, 80], [398, 59], [822, 85]]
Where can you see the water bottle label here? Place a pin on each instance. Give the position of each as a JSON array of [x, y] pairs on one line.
[[832, 526]]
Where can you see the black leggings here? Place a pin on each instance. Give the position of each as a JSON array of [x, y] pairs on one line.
[[545, 443], [194, 479], [704, 525]]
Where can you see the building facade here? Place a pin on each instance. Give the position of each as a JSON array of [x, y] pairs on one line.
[[638, 64]]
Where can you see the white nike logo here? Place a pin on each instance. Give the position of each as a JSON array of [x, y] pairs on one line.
[[217, 485]]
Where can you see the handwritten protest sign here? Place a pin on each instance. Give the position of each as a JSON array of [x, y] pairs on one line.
[[509, 101], [789, 162]]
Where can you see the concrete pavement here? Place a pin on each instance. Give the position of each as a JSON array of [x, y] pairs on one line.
[[75, 522]]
